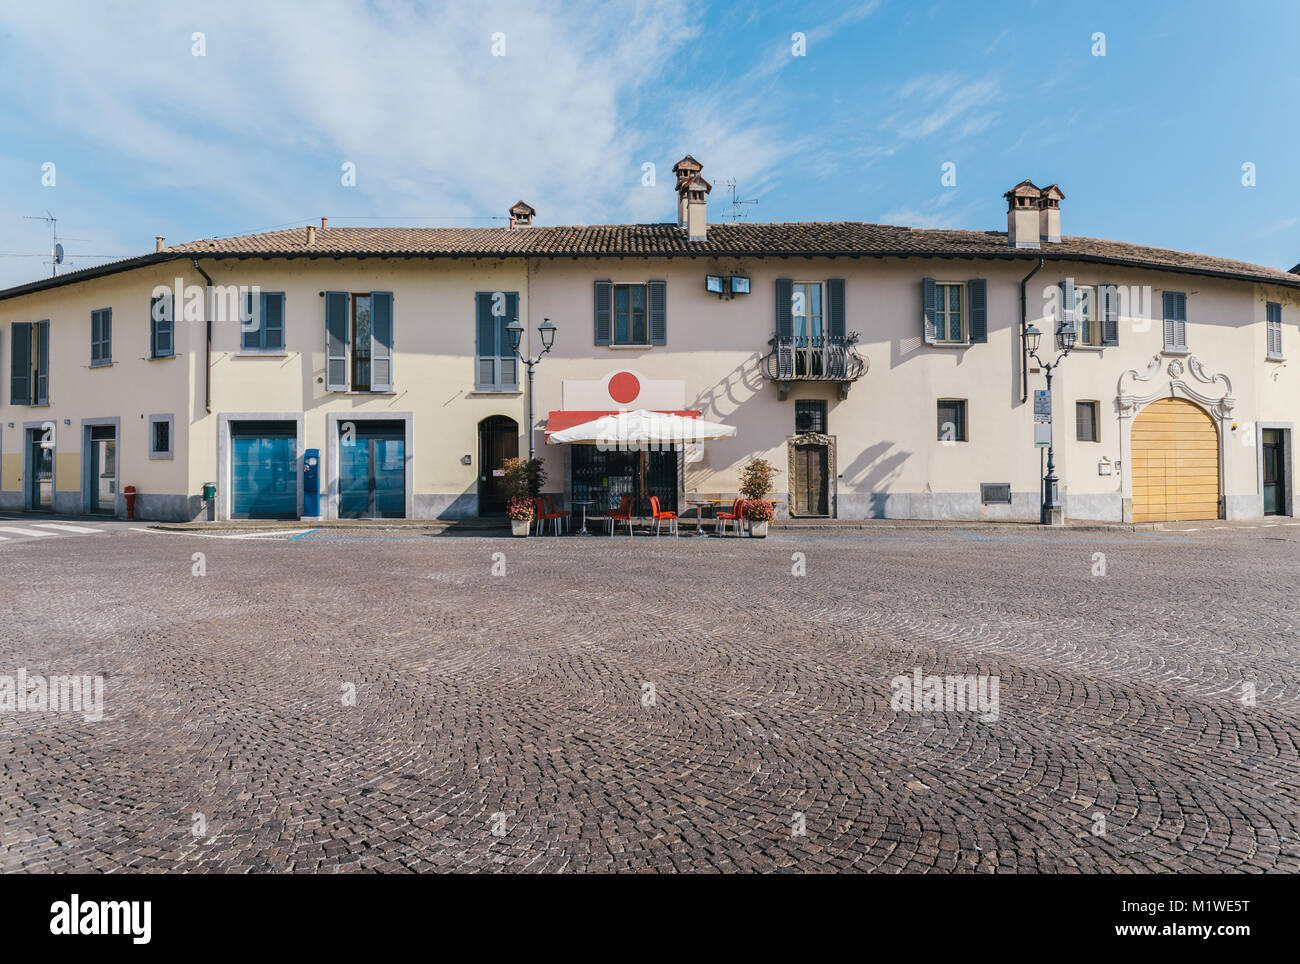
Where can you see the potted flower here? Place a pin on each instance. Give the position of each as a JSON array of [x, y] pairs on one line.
[[756, 485], [759, 512], [521, 516], [522, 481]]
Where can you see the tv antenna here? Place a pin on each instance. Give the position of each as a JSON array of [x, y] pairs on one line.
[[56, 249], [737, 204]]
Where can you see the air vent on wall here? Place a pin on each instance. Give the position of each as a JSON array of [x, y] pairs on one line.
[[995, 493]]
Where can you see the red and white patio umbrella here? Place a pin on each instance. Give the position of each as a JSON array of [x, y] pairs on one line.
[[641, 428]]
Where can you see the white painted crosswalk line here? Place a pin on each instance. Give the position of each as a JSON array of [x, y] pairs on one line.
[[24, 532], [62, 527]]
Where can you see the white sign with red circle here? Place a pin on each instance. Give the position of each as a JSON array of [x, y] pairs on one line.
[[624, 388]]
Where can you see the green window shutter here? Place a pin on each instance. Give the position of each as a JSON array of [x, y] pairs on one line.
[[161, 317], [20, 362], [43, 363], [604, 312], [979, 312], [1169, 325], [508, 361], [1109, 315], [657, 307], [273, 321], [1175, 327], [1273, 328], [835, 307], [336, 341], [101, 335], [930, 308], [381, 341], [784, 328]]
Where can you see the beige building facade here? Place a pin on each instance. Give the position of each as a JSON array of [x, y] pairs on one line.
[[882, 370]]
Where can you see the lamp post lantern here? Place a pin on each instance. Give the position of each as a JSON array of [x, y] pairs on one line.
[[1051, 512], [547, 332]]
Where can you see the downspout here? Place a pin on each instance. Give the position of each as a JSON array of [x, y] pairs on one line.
[[1024, 322], [207, 356]]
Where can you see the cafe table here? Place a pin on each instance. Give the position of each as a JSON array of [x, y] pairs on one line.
[[700, 505]]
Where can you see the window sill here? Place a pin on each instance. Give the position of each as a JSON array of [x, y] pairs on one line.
[[1275, 358], [495, 391], [1174, 351], [363, 394], [161, 458], [102, 364], [160, 357], [632, 347], [254, 353], [1096, 348]]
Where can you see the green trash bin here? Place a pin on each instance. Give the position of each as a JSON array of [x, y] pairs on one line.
[[209, 491]]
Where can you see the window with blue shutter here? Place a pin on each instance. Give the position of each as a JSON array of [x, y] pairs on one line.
[[20, 363], [930, 310], [977, 296], [1273, 329], [1175, 327], [42, 363], [161, 327], [381, 341], [604, 299], [657, 295], [336, 341], [101, 337], [496, 367], [835, 308], [784, 328], [264, 329]]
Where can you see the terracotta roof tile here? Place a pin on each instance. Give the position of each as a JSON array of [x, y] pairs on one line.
[[841, 238]]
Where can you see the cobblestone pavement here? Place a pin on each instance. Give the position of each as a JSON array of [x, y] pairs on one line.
[[504, 722]]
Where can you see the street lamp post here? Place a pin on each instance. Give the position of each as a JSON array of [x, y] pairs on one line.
[[516, 331], [1051, 512]]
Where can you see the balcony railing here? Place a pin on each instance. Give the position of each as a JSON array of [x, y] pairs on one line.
[[814, 358]]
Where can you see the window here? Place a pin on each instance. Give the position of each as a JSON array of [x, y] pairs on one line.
[[633, 315], [630, 323], [1273, 325], [952, 420], [160, 436], [806, 309], [360, 335], [496, 365], [29, 363], [1087, 317], [947, 315], [161, 326], [101, 337], [1175, 303], [261, 326], [810, 416], [1085, 421]]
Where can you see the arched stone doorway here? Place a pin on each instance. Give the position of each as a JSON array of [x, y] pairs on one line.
[[498, 440], [1174, 463]]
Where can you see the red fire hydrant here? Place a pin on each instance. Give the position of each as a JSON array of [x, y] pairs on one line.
[[129, 493]]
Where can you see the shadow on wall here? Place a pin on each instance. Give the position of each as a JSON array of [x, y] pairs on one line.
[[722, 402], [872, 472]]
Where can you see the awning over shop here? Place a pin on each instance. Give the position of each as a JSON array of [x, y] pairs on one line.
[[558, 421], [641, 428]]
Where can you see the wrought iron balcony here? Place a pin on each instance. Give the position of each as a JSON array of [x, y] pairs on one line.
[[814, 358]]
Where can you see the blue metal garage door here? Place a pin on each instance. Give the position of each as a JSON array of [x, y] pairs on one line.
[[263, 470]]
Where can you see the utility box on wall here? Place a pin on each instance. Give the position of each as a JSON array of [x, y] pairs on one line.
[[311, 483]]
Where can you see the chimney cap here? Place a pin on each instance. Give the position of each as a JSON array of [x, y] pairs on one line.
[[693, 182], [1050, 196], [521, 214], [687, 164]]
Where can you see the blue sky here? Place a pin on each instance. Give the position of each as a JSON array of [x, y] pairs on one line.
[[1147, 142]]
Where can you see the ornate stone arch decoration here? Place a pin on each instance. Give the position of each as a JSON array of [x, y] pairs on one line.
[[832, 468], [1146, 387]]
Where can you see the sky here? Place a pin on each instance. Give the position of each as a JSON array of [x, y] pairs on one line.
[[1170, 124]]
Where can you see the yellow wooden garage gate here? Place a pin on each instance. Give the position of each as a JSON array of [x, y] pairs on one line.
[[1175, 463]]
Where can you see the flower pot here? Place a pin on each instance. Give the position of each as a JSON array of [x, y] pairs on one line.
[[520, 527], [758, 530]]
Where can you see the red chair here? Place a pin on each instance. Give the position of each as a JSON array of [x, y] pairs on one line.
[[736, 515], [552, 509], [543, 516], [660, 516], [622, 514]]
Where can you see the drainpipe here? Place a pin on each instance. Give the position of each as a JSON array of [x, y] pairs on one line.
[[207, 358], [1024, 321]]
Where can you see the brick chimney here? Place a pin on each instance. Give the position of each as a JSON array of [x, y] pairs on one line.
[[1049, 214], [1023, 215], [158, 240], [692, 198], [521, 215]]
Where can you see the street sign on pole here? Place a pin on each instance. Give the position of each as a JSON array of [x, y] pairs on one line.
[[1042, 406], [1042, 434]]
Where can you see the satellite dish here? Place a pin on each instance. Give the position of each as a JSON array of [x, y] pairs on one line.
[[58, 254]]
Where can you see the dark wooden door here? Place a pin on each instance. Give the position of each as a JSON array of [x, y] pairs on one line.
[[811, 492], [1274, 473], [498, 440]]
